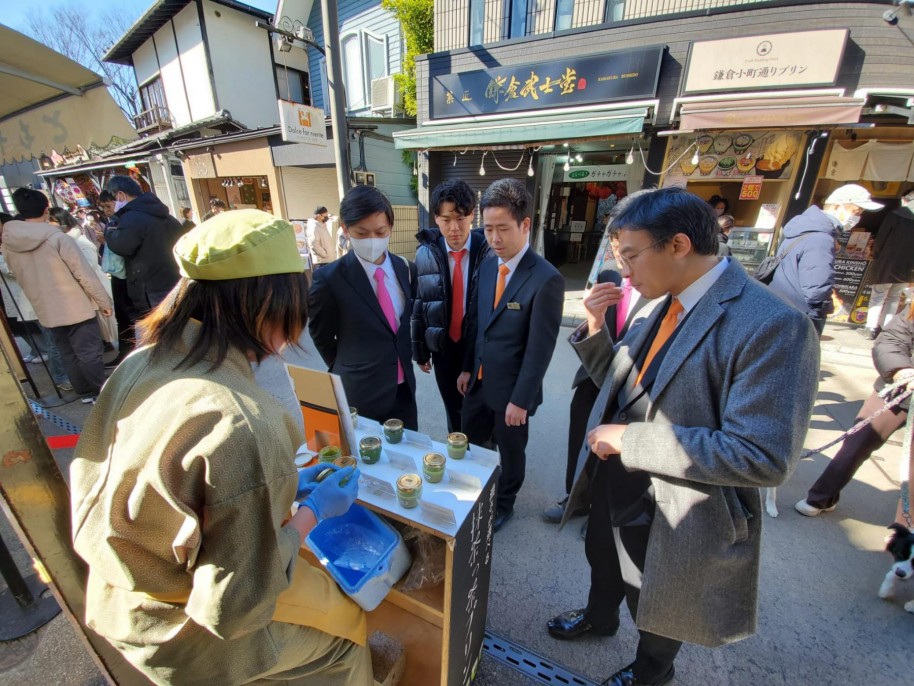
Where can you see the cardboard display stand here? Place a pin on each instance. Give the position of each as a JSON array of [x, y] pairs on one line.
[[441, 627]]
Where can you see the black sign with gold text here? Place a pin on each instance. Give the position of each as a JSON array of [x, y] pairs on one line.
[[569, 82]]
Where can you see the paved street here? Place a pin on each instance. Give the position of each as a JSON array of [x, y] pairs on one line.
[[821, 622]]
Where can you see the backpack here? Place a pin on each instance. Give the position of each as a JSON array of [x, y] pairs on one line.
[[767, 267]]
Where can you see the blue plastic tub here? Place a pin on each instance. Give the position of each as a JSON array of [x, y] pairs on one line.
[[364, 554]]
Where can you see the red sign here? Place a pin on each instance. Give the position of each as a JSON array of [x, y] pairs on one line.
[[751, 188]]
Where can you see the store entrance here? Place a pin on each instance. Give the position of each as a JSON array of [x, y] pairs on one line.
[[238, 192]]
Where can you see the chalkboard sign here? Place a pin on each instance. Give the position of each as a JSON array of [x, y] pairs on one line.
[[849, 275]]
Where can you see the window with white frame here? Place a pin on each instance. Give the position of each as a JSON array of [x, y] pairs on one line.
[[364, 60]]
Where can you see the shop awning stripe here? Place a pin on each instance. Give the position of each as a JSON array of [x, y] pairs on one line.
[[526, 130]]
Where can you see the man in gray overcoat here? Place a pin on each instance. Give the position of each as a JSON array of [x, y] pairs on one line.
[[703, 403]]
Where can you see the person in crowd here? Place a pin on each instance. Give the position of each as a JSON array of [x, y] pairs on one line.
[[216, 206], [725, 223], [62, 287], [115, 266], [893, 357], [675, 519], [806, 276], [187, 221], [360, 308], [517, 312], [720, 205], [892, 268], [320, 244], [203, 581], [144, 236], [25, 325], [60, 217], [447, 261], [619, 318]]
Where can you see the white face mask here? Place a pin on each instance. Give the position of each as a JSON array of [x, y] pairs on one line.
[[118, 204], [370, 249], [851, 222]]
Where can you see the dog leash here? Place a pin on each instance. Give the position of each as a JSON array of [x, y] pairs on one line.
[[906, 470], [894, 402]]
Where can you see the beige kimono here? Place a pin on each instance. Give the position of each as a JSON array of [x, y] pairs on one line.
[[180, 484]]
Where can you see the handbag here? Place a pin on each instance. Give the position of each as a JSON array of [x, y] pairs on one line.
[[114, 264]]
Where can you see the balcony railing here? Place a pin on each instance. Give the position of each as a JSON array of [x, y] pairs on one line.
[[153, 120]]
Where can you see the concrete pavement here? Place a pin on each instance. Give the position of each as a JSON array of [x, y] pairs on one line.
[[821, 622]]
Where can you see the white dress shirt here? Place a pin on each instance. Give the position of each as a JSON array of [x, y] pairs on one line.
[[465, 265], [513, 262], [391, 281], [696, 290]]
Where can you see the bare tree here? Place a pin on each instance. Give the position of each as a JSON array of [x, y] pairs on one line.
[[85, 39]]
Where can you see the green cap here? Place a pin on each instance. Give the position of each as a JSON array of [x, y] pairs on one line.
[[238, 244]]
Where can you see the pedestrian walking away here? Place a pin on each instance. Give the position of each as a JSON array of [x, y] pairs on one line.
[[692, 418]]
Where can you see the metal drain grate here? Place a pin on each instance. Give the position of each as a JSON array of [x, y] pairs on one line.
[[529, 663], [67, 426]]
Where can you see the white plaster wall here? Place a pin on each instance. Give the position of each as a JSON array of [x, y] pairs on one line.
[[172, 79], [241, 65], [144, 62], [193, 62]]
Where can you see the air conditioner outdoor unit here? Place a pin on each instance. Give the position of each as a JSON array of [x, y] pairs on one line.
[[386, 96]]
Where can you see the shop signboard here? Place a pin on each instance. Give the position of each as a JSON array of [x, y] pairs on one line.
[[849, 275], [201, 166], [603, 172], [734, 155], [302, 124], [568, 82], [751, 188], [777, 60]]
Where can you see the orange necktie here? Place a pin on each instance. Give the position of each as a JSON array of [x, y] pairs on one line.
[[667, 327], [503, 271]]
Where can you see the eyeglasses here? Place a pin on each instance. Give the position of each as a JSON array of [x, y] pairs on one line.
[[626, 260]]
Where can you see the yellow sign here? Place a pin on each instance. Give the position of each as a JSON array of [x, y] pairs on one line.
[[302, 124]]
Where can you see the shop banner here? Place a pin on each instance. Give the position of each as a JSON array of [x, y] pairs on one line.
[[751, 188], [302, 124], [778, 60], [568, 82], [734, 155], [849, 276], [605, 172]]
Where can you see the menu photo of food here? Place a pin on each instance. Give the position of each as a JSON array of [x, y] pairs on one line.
[[734, 154]]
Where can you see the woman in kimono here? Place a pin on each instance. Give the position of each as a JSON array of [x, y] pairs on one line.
[[184, 479]]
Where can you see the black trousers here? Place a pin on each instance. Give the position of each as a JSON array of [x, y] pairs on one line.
[[483, 426], [123, 314], [447, 366], [855, 450], [616, 557], [404, 408], [80, 347], [585, 395]]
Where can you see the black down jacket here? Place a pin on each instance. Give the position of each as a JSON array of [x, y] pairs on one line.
[[432, 307]]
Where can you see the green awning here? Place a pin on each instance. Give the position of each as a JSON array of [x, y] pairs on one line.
[[523, 130]]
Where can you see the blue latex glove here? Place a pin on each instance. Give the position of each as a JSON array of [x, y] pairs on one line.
[[306, 479], [330, 499]]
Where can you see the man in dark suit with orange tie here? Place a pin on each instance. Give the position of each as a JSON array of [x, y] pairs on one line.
[[518, 304], [359, 309]]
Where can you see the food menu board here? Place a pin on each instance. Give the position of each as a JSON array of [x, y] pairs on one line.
[[733, 155]]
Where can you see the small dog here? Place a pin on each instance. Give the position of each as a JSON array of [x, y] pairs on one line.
[[901, 544], [771, 506]]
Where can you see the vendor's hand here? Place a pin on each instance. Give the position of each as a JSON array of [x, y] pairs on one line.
[[596, 301], [463, 382], [606, 440], [426, 366], [329, 498], [307, 476], [514, 415]]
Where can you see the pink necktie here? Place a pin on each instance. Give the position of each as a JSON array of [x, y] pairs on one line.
[[622, 307], [387, 307]]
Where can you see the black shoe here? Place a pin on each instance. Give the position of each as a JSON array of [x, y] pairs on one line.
[[625, 677], [501, 518], [555, 512], [868, 334], [572, 624]]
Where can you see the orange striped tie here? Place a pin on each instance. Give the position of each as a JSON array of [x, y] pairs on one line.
[[667, 327], [503, 271]]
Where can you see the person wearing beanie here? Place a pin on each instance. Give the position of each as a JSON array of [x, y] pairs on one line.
[[184, 478]]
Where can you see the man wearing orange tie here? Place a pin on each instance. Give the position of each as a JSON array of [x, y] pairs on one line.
[[702, 403], [518, 303]]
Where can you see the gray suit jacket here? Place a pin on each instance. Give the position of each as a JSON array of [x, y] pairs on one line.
[[729, 410]]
